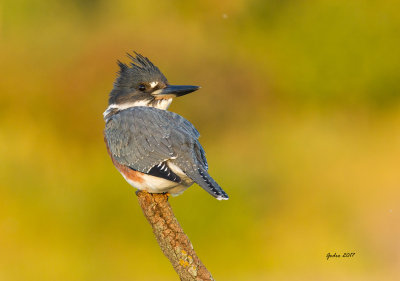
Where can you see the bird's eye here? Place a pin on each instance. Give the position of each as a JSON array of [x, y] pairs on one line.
[[142, 87]]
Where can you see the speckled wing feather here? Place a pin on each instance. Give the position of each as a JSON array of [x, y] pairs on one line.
[[143, 137]]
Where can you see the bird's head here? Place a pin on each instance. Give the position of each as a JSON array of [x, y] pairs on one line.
[[141, 83]]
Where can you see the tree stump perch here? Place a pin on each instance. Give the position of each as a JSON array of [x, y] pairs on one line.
[[174, 243]]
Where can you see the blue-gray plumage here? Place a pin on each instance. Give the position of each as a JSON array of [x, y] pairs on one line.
[[154, 149]]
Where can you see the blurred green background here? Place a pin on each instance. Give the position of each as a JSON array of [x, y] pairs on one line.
[[299, 115]]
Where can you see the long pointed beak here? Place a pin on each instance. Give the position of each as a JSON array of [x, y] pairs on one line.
[[175, 91]]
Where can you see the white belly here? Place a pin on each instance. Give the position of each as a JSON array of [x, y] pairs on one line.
[[158, 185]]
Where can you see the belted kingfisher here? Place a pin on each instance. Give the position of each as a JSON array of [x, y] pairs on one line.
[[154, 149]]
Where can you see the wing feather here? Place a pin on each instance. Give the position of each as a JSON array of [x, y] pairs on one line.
[[143, 137]]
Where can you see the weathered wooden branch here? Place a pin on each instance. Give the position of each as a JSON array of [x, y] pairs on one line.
[[174, 243]]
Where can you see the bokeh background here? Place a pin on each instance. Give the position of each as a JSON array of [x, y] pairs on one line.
[[299, 115]]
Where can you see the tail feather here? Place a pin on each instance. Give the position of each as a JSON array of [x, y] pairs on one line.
[[210, 185]]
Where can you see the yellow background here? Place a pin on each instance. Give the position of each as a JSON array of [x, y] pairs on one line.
[[299, 116]]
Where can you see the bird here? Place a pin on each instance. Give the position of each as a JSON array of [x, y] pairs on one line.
[[154, 149]]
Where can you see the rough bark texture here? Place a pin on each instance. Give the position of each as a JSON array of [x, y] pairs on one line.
[[174, 243]]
